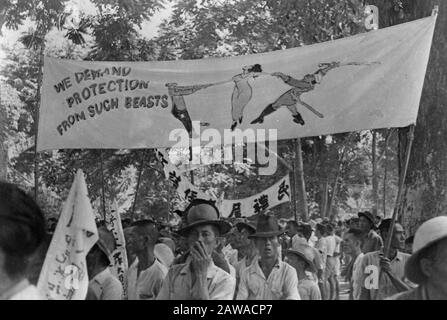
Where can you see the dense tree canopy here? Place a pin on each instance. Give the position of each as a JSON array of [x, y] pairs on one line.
[[338, 168]]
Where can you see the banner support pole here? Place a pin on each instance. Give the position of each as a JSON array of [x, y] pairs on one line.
[[399, 193], [103, 193], [140, 171]]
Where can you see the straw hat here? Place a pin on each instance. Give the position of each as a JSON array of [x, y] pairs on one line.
[[306, 253], [430, 232], [368, 215]]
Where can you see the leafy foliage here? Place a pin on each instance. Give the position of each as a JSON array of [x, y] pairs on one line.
[[196, 29]]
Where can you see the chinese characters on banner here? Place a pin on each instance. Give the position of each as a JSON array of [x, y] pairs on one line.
[[64, 272], [276, 194], [273, 196], [119, 256], [185, 189]]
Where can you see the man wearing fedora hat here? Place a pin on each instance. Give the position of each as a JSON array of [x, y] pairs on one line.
[[427, 266], [371, 240], [268, 278], [199, 278], [103, 284], [301, 258]]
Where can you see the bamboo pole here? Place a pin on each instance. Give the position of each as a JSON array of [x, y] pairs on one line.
[[299, 181], [103, 193], [400, 190], [140, 171]]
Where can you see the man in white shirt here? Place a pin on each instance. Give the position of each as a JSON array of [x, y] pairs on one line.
[[22, 230], [150, 271], [103, 284], [351, 245], [199, 278], [268, 278]]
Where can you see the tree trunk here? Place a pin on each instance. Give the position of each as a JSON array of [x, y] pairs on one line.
[[324, 197], [375, 181], [426, 183], [300, 186], [3, 149]]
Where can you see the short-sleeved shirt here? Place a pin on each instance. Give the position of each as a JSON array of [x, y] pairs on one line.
[[149, 281], [321, 246], [331, 245], [106, 286], [308, 290], [281, 284], [372, 242], [385, 286], [356, 279], [178, 283]]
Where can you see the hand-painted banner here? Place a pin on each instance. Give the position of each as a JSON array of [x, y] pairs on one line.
[[368, 81], [185, 189], [269, 198], [64, 272], [276, 194], [119, 255]]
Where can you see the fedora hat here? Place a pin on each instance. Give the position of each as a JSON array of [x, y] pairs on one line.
[[247, 225], [368, 215], [266, 227], [306, 253], [202, 212], [430, 232]]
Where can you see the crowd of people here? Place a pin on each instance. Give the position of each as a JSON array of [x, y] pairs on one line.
[[210, 258]]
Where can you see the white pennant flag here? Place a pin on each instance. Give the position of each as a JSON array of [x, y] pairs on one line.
[[64, 272]]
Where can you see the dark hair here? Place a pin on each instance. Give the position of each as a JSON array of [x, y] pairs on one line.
[[321, 227], [293, 223], [22, 228], [306, 229], [356, 233], [255, 68]]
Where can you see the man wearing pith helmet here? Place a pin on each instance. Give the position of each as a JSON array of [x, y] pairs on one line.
[[268, 278], [198, 278], [427, 265]]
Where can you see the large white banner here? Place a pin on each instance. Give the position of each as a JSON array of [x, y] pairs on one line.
[[368, 81], [64, 272]]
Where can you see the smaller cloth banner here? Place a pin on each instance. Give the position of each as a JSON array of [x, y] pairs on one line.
[[185, 189], [119, 255], [64, 272], [269, 198]]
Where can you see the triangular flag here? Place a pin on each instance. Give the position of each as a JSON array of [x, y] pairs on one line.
[[64, 272]]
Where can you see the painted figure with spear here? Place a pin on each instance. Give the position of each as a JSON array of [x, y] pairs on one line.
[[292, 97]]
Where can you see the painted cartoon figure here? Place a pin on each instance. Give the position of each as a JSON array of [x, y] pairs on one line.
[[179, 109], [242, 92], [293, 96]]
